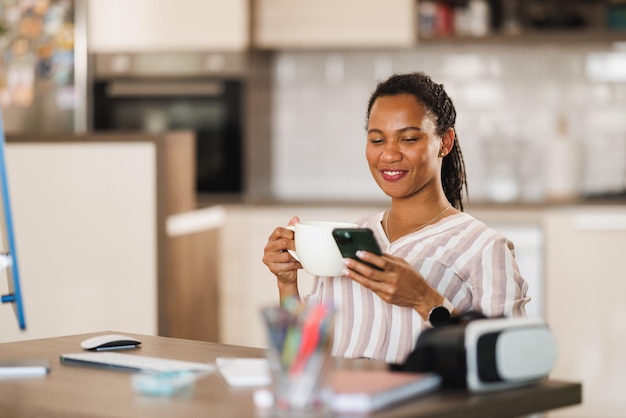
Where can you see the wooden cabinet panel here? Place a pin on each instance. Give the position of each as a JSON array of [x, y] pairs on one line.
[[190, 297], [328, 23], [167, 25]]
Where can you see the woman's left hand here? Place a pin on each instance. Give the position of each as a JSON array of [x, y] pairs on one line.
[[399, 283]]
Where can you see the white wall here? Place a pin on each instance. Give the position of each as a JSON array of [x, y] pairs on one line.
[[320, 100]]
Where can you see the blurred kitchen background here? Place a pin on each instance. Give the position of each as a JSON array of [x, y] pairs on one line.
[[275, 94], [539, 86]]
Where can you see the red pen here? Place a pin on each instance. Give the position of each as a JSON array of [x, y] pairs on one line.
[[310, 338]]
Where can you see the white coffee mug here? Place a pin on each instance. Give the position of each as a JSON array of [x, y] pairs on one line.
[[316, 248]]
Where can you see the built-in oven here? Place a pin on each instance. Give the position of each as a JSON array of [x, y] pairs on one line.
[[157, 92]]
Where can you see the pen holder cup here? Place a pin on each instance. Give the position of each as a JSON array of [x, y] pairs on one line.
[[299, 354]]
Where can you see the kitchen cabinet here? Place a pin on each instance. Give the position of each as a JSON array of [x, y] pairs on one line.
[[585, 304], [167, 25], [85, 233], [584, 268], [328, 23], [108, 237]]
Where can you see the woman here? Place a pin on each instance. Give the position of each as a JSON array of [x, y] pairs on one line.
[[437, 259]]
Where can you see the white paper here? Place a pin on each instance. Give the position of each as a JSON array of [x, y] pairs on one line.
[[244, 371]]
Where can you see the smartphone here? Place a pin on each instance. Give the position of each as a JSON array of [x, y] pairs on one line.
[[350, 240]]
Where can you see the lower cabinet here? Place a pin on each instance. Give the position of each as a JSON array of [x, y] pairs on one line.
[[586, 284], [86, 234], [109, 237]]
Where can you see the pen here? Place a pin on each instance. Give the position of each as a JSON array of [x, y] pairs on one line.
[[304, 386], [290, 348], [310, 337], [278, 321]]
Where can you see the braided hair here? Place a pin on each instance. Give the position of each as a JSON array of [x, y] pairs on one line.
[[440, 108]]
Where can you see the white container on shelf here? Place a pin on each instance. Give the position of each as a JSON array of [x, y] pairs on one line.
[[427, 11], [562, 162], [479, 18]]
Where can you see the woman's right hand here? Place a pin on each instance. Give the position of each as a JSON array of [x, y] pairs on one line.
[[277, 258]]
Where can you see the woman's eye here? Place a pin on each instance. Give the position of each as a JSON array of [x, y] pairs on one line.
[[376, 140], [411, 139]]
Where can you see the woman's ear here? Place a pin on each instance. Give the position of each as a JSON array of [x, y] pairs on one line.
[[447, 142]]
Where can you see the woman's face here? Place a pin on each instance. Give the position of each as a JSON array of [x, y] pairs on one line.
[[402, 147]]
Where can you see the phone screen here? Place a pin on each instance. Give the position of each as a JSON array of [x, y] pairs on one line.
[[351, 240]]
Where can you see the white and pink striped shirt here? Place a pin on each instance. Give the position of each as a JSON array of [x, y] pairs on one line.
[[470, 264]]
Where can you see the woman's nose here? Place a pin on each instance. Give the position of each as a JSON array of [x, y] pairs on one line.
[[390, 153]]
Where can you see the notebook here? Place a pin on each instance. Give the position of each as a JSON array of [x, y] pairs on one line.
[[134, 362], [360, 391]]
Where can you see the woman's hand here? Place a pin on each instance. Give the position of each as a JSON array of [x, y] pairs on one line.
[[279, 261], [398, 283]]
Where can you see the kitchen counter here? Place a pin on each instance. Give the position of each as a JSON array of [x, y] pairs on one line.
[[618, 199]]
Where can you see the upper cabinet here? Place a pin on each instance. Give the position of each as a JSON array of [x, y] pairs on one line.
[[167, 25], [331, 23], [237, 25]]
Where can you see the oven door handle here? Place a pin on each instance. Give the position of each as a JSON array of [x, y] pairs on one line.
[[165, 88]]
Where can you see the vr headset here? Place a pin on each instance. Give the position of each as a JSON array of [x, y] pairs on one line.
[[485, 354]]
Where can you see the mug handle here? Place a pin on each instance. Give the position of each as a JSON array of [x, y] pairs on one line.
[[292, 252]]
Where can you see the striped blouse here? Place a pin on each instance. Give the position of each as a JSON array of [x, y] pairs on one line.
[[470, 264]]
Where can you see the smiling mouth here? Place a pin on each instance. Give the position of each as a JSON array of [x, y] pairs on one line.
[[392, 174]]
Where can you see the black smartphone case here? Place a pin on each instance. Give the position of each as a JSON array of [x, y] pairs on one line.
[[350, 240]]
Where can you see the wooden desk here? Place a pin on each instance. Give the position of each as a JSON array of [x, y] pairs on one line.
[[75, 391]]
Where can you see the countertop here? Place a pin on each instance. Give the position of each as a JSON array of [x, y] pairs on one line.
[[205, 200]]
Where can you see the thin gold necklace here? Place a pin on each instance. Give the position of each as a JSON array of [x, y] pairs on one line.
[[419, 227]]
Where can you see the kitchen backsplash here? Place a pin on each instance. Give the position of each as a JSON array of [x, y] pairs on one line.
[[534, 122]]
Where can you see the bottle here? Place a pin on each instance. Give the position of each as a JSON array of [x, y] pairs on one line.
[[462, 21], [562, 174], [479, 18], [427, 11], [444, 20], [510, 18]]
